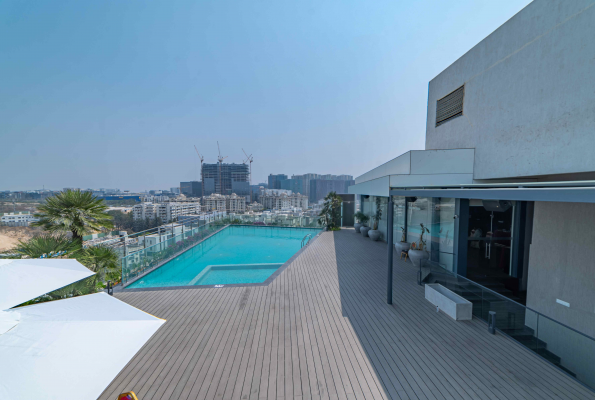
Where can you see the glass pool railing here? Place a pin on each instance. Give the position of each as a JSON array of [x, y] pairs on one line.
[[126, 245], [568, 349], [160, 248], [302, 221]]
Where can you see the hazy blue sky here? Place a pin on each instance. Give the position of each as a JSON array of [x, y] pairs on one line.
[[117, 93]]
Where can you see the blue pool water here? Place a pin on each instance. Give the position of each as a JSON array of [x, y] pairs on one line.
[[237, 254]]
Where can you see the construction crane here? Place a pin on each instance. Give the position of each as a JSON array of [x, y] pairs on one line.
[[220, 159], [202, 177], [250, 159]]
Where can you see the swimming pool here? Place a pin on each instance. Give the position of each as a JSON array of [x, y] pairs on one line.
[[235, 255]]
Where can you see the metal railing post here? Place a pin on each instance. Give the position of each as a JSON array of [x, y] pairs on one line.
[[122, 260], [492, 322], [481, 303], [389, 287]]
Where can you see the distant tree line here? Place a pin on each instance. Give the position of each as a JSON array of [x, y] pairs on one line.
[[125, 222]]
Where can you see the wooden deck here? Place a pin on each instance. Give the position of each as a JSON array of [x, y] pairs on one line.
[[322, 330]]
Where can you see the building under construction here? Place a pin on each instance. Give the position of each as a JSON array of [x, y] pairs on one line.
[[235, 178]]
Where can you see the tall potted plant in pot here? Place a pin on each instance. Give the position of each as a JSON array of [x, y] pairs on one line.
[[418, 249], [362, 220], [403, 245], [374, 233]]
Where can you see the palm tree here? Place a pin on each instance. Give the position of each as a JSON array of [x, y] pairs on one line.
[[75, 211], [330, 215], [102, 260], [45, 244]]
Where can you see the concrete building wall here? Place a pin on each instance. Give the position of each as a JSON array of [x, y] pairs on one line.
[[562, 267], [374, 187], [529, 94], [398, 165], [562, 264], [423, 168]]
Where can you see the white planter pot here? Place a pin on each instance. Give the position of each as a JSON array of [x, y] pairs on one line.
[[402, 246], [364, 230], [374, 234], [448, 301], [357, 226], [417, 255]]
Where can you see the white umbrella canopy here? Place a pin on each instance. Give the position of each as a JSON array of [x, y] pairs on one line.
[[71, 348], [23, 280]]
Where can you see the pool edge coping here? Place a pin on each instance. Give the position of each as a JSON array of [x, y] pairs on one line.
[[267, 282]]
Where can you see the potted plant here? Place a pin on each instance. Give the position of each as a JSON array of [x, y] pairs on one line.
[[374, 233], [418, 250], [365, 229], [330, 215], [362, 220], [403, 245]]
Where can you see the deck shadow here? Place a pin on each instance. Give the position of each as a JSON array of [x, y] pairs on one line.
[[419, 353]]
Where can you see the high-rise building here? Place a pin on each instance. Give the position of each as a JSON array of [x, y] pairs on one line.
[[191, 189], [295, 185], [319, 188], [306, 178], [275, 181], [235, 178]]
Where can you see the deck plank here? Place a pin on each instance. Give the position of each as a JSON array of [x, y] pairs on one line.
[[322, 330]]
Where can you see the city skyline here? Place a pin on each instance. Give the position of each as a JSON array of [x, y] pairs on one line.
[[302, 87], [146, 190], [297, 200]]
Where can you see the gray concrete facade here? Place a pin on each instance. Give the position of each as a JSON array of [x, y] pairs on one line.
[[561, 282], [529, 103], [526, 134], [562, 264]]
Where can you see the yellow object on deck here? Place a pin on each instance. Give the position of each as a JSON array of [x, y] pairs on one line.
[[127, 396]]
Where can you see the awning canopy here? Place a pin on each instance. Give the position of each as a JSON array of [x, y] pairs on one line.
[[23, 280], [557, 194], [65, 348]]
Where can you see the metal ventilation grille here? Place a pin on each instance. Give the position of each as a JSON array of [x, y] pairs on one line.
[[450, 106]]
